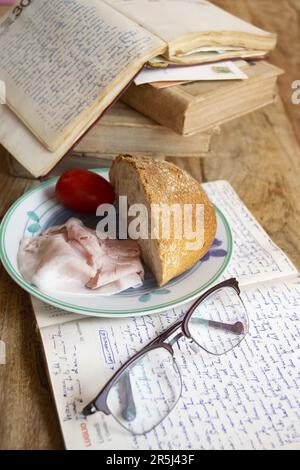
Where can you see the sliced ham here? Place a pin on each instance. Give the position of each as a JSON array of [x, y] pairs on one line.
[[70, 258]]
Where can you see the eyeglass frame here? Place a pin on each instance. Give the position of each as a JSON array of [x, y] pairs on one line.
[[99, 404]]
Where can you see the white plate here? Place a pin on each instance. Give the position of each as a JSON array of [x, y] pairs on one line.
[[38, 209]]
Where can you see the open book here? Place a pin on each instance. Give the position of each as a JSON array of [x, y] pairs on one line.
[[64, 62], [247, 399]]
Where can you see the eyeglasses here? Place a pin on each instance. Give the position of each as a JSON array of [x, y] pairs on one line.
[[144, 391]]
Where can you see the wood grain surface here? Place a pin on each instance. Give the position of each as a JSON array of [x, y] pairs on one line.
[[281, 17], [258, 154]]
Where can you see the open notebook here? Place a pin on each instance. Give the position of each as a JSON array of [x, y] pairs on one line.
[[64, 62], [248, 399]]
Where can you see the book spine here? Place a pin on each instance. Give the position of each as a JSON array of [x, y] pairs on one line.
[[163, 106], [150, 141]]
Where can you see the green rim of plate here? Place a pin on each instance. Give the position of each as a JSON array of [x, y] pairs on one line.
[[104, 313]]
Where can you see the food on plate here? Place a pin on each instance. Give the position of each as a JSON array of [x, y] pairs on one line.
[[84, 191], [71, 259], [147, 181]]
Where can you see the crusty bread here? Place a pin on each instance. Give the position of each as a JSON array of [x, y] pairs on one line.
[[147, 181]]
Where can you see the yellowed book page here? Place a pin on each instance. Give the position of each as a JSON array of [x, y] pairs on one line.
[[205, 58], [60, 59], [173, 20]]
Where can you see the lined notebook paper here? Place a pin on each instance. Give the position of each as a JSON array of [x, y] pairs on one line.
[[248, 399]]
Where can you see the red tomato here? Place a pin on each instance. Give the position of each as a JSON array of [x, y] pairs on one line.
[[84, 191]]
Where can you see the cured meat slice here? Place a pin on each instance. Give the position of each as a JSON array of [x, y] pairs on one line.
[[71, 258]]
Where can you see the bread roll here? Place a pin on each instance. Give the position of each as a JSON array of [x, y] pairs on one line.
[[147, 181]]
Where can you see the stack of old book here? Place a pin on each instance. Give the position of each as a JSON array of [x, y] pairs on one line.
[[191, 67]]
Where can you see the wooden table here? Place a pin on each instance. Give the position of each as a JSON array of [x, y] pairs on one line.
[[259, 155]]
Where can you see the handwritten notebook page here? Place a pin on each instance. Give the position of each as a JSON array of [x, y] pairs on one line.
[[25, 147], [70, 55], [246, 399]]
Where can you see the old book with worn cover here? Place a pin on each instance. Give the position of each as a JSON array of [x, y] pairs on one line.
[[124, 130], [65, 62], [196, 107]]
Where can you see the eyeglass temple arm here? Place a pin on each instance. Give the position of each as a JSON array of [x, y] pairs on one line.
[[129, 409], [235, 328]]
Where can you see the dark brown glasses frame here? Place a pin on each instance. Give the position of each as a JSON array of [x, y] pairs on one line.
[[100, 402]]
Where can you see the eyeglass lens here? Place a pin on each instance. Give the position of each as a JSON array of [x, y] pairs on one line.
[[146, 392], [220, 322]]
